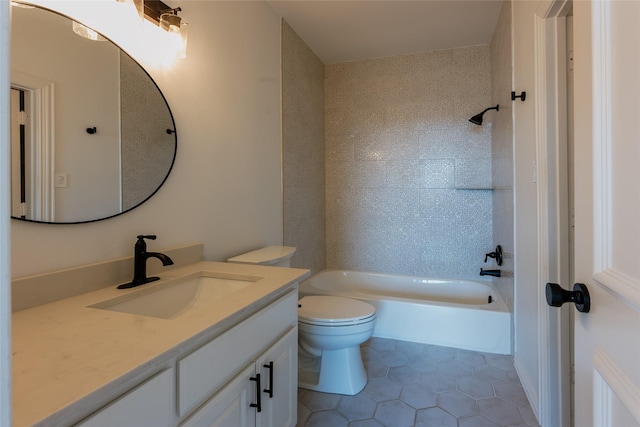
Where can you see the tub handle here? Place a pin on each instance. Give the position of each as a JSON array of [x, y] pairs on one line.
[[497, 255]]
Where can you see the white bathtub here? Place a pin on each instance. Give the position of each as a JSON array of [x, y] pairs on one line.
[[455, 313]]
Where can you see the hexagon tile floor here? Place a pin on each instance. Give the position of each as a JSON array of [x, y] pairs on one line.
[[414, 384]]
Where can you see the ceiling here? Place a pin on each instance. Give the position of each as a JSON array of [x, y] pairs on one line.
[[340, 31]]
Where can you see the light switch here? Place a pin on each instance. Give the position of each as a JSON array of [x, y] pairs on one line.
[[61, 180]]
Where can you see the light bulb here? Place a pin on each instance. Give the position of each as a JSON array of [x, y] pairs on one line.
[[86, 32], [177, 31]]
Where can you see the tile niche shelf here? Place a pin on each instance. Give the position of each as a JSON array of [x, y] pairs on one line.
[[474, 188]]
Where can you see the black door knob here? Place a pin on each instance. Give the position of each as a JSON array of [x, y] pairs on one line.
[[556, 296]]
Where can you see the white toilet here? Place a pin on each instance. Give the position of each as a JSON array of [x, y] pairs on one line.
[[330, 331]]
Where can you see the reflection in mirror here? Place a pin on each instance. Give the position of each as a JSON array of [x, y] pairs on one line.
[[92, 135]]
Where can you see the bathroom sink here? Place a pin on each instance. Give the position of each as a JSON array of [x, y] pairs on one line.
[[173, 298]]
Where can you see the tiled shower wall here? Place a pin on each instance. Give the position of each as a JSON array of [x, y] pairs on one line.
[[407, 176], [303, 151], [502, 141], [147, 149]]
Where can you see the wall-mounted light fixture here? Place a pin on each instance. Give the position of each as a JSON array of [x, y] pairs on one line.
[[129, 16], [126, 10], [167, 18], [477, 119]]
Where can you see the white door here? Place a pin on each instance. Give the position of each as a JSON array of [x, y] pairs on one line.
[[607, 212]]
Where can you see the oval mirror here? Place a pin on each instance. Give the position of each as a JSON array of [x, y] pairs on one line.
[[92, 136]]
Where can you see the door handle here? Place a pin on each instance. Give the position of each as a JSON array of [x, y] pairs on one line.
[[556, 296]]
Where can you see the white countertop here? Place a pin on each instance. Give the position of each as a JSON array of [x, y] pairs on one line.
[[66, 355]]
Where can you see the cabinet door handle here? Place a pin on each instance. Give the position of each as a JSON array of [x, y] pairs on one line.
[[269, 390], [258, 404]]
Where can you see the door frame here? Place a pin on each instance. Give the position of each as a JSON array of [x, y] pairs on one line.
[[554, 325], [5, 213], [42, 143]]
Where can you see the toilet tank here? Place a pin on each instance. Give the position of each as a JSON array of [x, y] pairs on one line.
[[276, 256]]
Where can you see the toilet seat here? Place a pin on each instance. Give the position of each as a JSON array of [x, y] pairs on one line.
[[334, 311]]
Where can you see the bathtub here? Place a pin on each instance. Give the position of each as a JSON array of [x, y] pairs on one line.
[[455, 313]]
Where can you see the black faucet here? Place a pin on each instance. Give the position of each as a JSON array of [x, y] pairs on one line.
[[140, 263], [494, 273]]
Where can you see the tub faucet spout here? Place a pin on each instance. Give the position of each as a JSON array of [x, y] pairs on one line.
[[494, 273], [140, 263]]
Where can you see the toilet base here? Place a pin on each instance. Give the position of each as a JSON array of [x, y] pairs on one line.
[[335, 371]]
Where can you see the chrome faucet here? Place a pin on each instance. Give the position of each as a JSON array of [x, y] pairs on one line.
[[140, 263]]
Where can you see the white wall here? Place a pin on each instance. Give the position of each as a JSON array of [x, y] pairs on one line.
[[525, 202], [502, 149], [225, 188]]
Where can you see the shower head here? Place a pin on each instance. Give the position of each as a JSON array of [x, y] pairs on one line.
[[477, 119]]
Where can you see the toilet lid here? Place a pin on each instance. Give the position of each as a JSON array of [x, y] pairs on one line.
[[334, 310]]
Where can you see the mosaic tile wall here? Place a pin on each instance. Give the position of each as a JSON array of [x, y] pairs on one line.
[[303, 151], [407, 175], [147, 149], [502, 142]]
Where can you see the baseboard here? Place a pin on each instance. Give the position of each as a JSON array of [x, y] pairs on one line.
[[527, 385]]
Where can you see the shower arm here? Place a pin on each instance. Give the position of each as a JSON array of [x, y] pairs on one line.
[[478, 118]]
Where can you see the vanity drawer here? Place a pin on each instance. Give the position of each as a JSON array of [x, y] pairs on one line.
[[207, 369], [149, 404]]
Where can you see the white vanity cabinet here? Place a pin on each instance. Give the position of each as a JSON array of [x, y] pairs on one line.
[[263, 394], [100, 367], [246, 376]]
